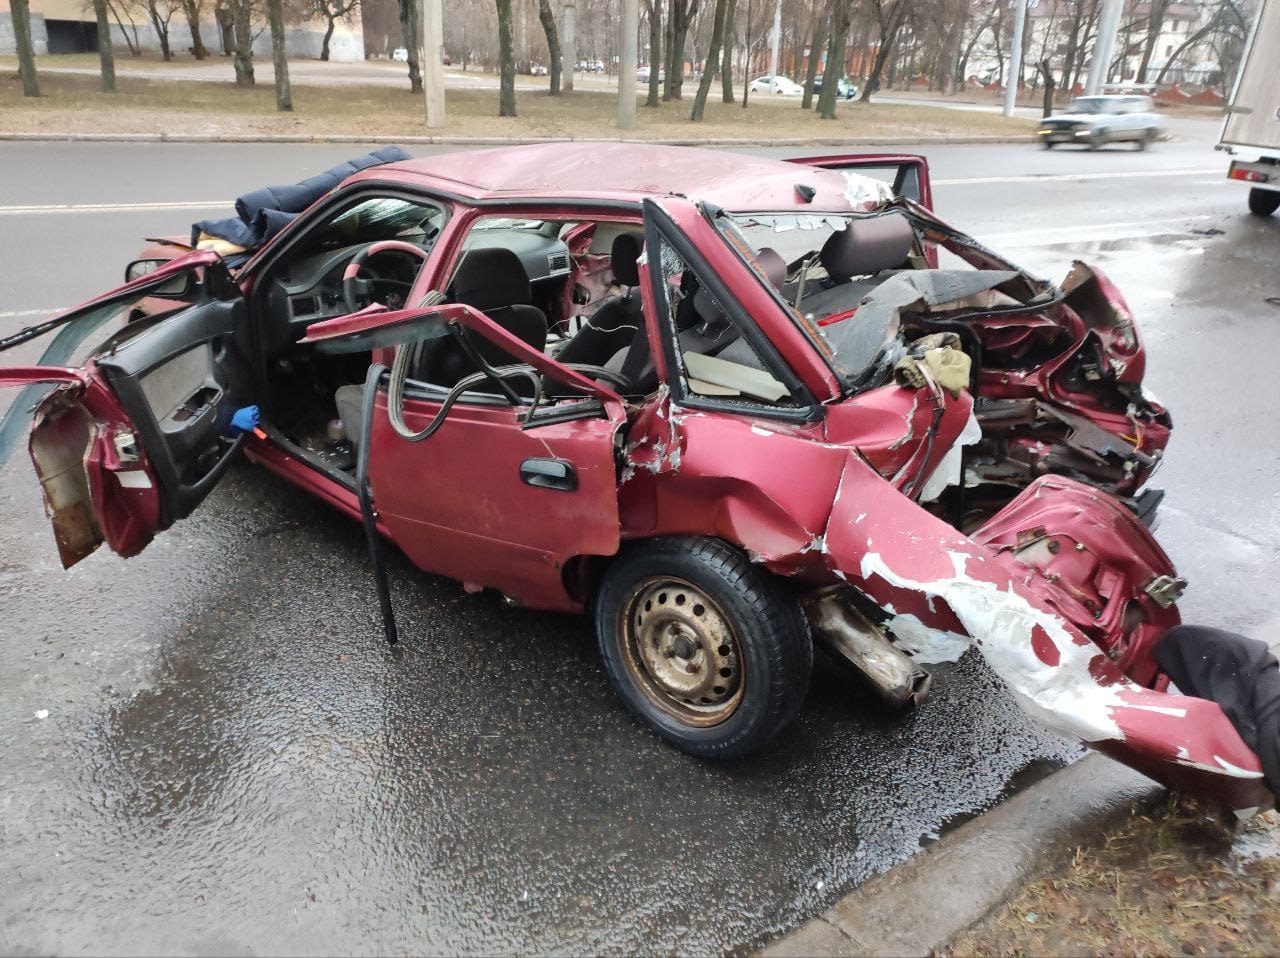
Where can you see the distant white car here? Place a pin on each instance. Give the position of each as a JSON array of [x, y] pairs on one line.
[[781, 86], [1098, 120], [400, 55]]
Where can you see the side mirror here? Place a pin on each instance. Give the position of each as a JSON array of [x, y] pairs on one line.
[[178, 287]]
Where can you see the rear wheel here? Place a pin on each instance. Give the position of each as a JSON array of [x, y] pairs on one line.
[[1143, 141], [1263, 202], [705, 648]]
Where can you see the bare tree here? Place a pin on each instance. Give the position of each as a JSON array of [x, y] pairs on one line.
[[331, 11], [548, 19], [680, 15], [21, 16], [889, 18], [279, 57], [840, 17], [709, 64], [160, 12], [506, 61], [726, 62], [242, 17], [192, 10], [410, 30], [816, 43], [106, 55], [130, 33], [653, 10], [1155, 22]]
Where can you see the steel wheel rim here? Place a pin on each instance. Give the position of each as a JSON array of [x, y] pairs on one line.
[[681, 651]]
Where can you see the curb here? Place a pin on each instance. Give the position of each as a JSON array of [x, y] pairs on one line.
[[495, 140], [921, 905]]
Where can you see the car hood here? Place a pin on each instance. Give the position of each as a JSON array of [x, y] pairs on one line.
[[1074, 117]]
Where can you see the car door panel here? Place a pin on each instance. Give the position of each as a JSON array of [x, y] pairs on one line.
[[476, 511], [138, 435]]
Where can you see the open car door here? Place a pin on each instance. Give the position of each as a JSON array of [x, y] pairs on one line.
[[135, 438], [906, 173]]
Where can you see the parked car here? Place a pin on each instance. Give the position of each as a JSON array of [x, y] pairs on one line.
[[781, 86], [538, 70], [729, 406], [400, 55], [845, 90], [643, 74], [1097, 120]]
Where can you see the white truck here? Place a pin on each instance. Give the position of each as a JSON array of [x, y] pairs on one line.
[[1251, 130]]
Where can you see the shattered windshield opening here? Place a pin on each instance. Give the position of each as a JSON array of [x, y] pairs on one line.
[[861, 287]]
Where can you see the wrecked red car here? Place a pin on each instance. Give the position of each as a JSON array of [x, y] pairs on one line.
[[729, 406]]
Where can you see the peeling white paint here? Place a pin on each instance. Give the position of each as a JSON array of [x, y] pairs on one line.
[[925, 645]]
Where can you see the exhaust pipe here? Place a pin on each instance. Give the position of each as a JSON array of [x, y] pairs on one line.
[[843, 630]]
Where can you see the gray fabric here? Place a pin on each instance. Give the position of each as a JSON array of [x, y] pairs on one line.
[[773, 266], [350, 403], [867, 246], [491, 278]]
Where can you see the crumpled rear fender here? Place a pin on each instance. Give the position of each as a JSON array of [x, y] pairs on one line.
[[1022, 606]]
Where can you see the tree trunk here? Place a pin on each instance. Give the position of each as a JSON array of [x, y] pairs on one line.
[[888, 33], [667, 46], [409, 28], [21, 16], [226, 29], [726, 61], [106, 56], [161, 26], [553, 44], [709, 64], [815, 54], [279, 59], [328, 35], [569, 44], [654, 8], [506, 61], [1046, 71], [682, 14], [192, 9], [244, 43], [835, 60], [1188, 42], [746, 59], [1155, 21]]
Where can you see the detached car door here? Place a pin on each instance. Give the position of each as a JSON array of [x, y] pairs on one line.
[[135, 438]]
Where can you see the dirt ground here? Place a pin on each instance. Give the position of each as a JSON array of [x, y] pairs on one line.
[[1174, 881], [74, 104]]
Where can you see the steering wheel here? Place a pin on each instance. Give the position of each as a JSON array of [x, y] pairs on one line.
[[351, 285]]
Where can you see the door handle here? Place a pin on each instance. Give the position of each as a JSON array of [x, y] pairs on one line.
[[549, 474]]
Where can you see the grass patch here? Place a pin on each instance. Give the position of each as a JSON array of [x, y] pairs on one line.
[[1166, 883], [73, 104]]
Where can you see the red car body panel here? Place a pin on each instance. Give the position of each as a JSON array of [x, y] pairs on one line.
[[1056, 590]]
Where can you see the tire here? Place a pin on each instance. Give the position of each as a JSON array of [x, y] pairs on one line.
[[1098, 140], [1263, 202], [1047, 143], [1143, 141], [705, 648]]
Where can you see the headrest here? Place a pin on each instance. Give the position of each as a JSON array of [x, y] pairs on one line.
[[867, 246], [773, 266], [623, 256], [709, 311], [490, 279]]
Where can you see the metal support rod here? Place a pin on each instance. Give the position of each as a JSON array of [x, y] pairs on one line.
[[1104, 47], [775, 39], [1015, 57], [433, 61], [628, 24]]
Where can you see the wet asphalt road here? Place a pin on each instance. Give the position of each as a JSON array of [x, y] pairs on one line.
[[231, 761]]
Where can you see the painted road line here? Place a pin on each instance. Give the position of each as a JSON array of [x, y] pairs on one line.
[[1052, 236], [1068, 177], [112, 207], [48, 311]]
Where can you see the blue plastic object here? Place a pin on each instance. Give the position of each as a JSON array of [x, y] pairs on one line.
[[245, 419]]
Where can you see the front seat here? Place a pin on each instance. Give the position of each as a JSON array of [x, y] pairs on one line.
[[493, 281], [863, 248], [620, 318]]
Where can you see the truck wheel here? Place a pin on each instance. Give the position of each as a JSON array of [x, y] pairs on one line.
[[1263, 202], [705, 648]]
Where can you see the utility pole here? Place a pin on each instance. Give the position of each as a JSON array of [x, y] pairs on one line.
[[628, 24], [568, 46], [1015, 56], [1104, 47], [433, 61], [775, 39]]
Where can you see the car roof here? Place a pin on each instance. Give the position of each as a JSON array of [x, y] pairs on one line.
[[634, 171]]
